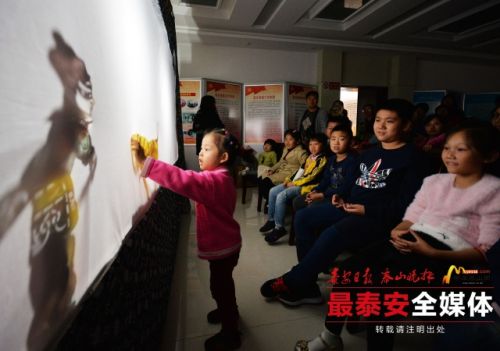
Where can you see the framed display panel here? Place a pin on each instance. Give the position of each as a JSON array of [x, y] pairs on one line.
[[296, 102], [430, 97], [191, 93], [228, 98], [264, 112]]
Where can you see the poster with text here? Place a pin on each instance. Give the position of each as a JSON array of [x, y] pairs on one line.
[[264, 112], [79, 80], [228, 97], [480, 105], [190, 90], [296, 103]]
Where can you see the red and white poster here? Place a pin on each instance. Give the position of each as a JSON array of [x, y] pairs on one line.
[[190, 90], [229, 103], [264, 112], [296, 103]]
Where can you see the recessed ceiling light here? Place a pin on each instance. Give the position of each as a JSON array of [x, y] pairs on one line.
[[353, 4]]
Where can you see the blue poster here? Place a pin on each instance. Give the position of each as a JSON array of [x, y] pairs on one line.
[[430, 97], [480, 105]]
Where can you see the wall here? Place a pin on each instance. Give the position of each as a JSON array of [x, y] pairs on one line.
[[245, 65], [366, 69], [435, 75], [401, 74]]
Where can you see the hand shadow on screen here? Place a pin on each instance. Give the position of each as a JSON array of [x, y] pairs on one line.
[[46, 185]]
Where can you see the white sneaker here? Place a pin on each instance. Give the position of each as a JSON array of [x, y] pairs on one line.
[[335, 345]]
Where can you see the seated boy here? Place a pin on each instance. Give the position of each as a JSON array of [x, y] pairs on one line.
[[389, 176], [339, 173]]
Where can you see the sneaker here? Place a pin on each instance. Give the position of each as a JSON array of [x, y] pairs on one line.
[[273, 287], [337, 345], [223, 341], [267, 227], [275, 235], [294, 299]]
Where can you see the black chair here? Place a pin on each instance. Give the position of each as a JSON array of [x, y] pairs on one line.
[[279, 152]]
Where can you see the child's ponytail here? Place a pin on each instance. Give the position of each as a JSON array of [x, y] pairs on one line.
[[227, 142]]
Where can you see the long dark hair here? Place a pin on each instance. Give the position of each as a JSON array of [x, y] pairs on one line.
[[207, 104]]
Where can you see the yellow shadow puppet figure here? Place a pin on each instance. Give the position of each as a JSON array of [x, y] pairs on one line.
[[149, 149], [47, 185]]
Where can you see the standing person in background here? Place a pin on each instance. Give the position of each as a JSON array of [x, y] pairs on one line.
[[207, 118], [337, 109], [313, 120]]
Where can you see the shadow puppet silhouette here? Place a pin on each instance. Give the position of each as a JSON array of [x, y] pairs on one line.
[[47, 185]]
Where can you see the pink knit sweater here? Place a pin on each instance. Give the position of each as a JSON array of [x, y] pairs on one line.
[[472, 214], [217, 232]]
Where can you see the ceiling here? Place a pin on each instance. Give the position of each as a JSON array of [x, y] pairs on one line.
[[455, 29]]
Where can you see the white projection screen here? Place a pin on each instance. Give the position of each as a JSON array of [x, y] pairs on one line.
[[78, 79]]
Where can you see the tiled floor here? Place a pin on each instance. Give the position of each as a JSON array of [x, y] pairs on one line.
[[265, 325]]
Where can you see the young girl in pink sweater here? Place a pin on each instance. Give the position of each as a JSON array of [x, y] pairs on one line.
[[217, 232], [459, 209]]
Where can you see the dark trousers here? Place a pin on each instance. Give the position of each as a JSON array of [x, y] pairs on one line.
[[223, 291], [343, 232], [265, 184], [300, 202]]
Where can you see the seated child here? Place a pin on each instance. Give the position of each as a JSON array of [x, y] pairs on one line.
[[436, 137], [454, 219], [389, 176], [338, 176], [434, 140], [331, 123], [267, 158], [302, 181], [291, 160]]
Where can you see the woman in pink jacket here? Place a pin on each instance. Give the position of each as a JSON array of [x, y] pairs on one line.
[[218, 233]]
